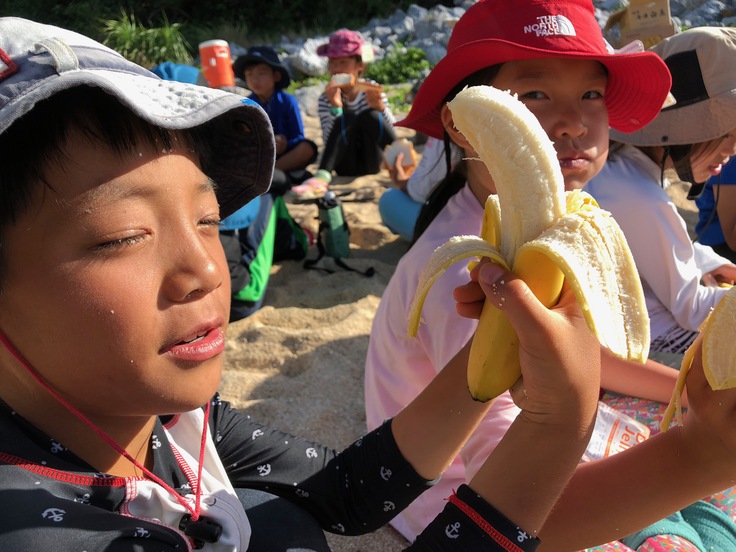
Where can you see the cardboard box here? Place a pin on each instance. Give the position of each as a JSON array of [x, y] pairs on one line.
[[647, 20]]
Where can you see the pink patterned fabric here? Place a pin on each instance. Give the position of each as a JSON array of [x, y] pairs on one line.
[[650, 413], [663, 543], [610, 547]]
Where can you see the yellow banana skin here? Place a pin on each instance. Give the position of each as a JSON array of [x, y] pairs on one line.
[[718, 354], [546, 235]]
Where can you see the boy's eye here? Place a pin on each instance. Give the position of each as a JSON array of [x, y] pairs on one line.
[[593, 95], [211, 221], [119, 243]]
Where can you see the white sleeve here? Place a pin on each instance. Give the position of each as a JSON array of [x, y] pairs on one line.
[[707, 259], [665, 257], [430, 171]]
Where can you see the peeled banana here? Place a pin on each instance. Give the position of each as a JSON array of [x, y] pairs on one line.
[[546, 236], [718, 353]]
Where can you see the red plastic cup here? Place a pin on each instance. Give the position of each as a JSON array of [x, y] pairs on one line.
[[216, 63]]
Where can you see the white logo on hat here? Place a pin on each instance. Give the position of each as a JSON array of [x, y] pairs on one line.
[[551, 25]]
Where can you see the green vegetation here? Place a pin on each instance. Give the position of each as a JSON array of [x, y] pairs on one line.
[[170, 30], [396, 94], [252, 20], [146, 46], [400, 64]]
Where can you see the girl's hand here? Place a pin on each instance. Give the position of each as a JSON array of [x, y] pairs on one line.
[[334, 95], [374, 98], [725, 274], [559, 356], [399, 175]]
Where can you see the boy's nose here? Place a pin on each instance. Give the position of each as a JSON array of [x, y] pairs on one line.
[[195, 273]]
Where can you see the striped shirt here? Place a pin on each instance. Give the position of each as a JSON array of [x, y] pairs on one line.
[[357, 106]]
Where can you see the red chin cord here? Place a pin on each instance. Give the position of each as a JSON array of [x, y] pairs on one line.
[[195, 512]]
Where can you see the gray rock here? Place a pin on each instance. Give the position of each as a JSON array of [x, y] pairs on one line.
[[307, 61], [430, 29], [307, 97]]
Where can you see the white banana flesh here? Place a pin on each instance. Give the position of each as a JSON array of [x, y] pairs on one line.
[[545, 235]]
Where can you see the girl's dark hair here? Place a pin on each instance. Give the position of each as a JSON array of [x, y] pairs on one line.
[[456, 178], [37, 141]]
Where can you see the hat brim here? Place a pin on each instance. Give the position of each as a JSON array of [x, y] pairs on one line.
[[240, 64], [638, 83], [691, 124], [324, 50], [242, 147]]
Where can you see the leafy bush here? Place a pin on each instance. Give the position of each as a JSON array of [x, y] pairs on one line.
[[146, 46], [399, 65]]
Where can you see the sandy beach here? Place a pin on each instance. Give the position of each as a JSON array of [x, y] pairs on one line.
[[297, 364]]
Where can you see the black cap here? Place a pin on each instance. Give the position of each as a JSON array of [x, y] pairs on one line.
[[262, 54]]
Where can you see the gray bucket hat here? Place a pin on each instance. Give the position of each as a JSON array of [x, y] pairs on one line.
[[38, 61], [702, 61]]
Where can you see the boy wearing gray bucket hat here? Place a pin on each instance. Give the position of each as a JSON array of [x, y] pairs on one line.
[[694, 137], [114, 300]]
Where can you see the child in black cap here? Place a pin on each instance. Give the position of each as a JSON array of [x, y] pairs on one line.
[[266, 77]]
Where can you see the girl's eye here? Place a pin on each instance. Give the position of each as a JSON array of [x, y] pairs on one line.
[[533, 95], [593, 95]]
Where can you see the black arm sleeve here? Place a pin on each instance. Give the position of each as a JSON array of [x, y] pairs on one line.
[[353, 492], [469, 523]]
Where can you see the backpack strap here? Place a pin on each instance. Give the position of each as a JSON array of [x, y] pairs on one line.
[[309, 263], [321, 251]]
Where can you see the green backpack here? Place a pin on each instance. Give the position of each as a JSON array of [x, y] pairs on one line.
[[333, 235]]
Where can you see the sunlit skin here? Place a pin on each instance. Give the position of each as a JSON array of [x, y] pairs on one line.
[[118, 265], [568, 98], [708, 158]]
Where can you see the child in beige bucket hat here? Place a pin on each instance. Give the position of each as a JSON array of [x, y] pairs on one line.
[[694, 137]]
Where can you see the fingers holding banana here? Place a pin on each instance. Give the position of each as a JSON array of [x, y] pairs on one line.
[[559, 357]]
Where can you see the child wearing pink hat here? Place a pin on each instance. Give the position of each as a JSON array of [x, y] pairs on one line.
[[354, 113], [553, 56]]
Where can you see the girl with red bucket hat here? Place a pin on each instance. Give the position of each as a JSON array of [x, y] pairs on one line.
[[553, 55]]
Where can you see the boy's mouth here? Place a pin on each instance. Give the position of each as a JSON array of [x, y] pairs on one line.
[[193, 340], [199, 345]]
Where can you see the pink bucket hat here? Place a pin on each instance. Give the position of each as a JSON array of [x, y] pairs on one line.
[[342, 43], [498, 31]]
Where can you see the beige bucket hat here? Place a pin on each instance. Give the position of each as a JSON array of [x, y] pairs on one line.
[[702, 61]]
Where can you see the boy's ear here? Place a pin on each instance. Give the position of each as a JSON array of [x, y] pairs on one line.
[[276, 75], [455, 135]]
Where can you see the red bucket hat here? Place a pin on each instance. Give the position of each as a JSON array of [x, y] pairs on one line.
[[342, 43], [498, 31]]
